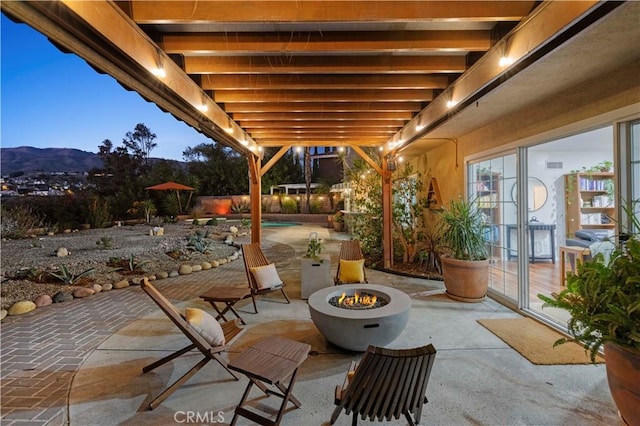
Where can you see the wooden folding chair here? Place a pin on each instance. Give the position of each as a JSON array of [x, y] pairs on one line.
[[350, 250], [230, 329], [386, 383], [254, 257]]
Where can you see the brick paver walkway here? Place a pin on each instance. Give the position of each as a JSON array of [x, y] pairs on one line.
[[41, 351]]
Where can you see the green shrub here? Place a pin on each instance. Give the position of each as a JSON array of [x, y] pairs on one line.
[[18, 221], [99, 216], [289, 206], [315, 206], [105, 242]]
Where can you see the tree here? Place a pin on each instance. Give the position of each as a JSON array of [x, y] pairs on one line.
[[218, 169], [407, 206], [307, 177], [286, 170], [140, 142], [118, 179]]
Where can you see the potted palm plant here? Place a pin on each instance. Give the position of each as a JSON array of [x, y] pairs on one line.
[[603, 299], [465, 268], [338, 221]]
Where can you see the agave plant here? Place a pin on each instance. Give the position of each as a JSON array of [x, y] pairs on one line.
[[198, 242], [68, 277]]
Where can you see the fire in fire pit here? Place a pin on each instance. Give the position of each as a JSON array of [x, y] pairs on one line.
[[359, 300]]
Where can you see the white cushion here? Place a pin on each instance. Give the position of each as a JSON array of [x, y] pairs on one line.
[[206, 326], [266, 276]]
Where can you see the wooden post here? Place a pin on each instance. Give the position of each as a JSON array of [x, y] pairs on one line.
[[255, 193], [387, 215]]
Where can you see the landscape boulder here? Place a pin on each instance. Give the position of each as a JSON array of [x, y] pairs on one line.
[[185, 269], [82, 292], [22, 307], [43, 300], [121, 284], [62, 296]]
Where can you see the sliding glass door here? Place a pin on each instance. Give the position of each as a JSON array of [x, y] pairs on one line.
[[490, 187]]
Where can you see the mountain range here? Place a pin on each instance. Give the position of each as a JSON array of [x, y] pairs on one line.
[[30, 160]]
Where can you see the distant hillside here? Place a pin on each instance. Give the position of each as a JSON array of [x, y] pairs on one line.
[[33, 160]]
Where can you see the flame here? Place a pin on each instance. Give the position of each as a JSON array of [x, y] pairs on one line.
[[367, 300]]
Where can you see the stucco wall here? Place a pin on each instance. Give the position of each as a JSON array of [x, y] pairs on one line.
[[587, 105]]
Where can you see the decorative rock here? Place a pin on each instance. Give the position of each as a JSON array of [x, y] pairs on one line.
[[228, 240], [62, 296], [158, 230], [82, 292], [51, 233], [185, 269], [173, 274], [196, 268], [21, 307], [67, 231], [162, 275], [230, 259], [107, 287], [151, 232], [233, 230], [121, 284], [205, 266], [43, 300], [3, 314], [97, 288], [215, 263], [136, 280], [222, 261], [62, 252], [151, 277]]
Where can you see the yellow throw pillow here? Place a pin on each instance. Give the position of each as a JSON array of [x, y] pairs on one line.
[[266, 276], [351, 271]]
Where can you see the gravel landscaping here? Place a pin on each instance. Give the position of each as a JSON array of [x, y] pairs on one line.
[[27, 263]]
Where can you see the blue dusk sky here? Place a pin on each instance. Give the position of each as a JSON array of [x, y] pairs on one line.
[[51, 99]]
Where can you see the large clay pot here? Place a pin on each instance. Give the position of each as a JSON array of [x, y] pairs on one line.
[[623, 375], [465, 280]]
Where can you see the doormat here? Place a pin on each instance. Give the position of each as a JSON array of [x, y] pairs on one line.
[[534, 341]]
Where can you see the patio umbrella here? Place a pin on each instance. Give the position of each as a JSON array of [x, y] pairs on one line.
[[173, 186]]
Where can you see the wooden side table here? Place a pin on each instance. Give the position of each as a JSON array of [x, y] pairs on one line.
[[270, 361], [574, 253], [229, 296]]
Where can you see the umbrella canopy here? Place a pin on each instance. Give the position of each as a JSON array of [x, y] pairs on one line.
[[173, 186], [170, 186]]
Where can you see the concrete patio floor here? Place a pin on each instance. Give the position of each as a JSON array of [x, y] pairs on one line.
[[81, 363]]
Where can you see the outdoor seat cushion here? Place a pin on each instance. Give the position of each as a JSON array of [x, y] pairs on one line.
[[351, 271], [266, 276], [206, 326]]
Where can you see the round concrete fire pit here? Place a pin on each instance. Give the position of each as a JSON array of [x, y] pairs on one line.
[[356, 329]]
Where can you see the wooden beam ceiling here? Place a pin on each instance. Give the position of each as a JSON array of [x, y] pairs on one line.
[[285, 70]]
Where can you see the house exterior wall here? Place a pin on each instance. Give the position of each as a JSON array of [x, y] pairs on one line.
[[590, 104]]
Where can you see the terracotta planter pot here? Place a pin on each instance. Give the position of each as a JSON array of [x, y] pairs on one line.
[[623, 375], [465, 281]]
